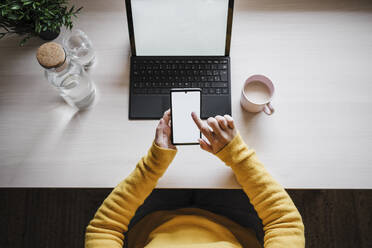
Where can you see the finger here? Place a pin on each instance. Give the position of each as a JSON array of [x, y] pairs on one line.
[[222, 121], [205, 146], [202, 126], [212, 122], [167, 116], [159, 128], [230, 121]]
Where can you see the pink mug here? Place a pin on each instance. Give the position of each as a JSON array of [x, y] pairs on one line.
[[257, 93]]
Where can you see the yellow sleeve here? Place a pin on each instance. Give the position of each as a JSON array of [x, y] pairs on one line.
[[113, 217], [281, 220]]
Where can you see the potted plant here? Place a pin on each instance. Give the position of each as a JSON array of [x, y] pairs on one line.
[[29, 18]]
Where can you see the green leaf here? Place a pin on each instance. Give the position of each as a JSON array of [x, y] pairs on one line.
[[12, 17], [15, 7]]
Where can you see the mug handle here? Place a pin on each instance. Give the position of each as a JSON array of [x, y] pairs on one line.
[[268, 109]]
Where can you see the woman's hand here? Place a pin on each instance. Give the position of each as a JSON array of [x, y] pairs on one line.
[[223, 131], [163, 132]]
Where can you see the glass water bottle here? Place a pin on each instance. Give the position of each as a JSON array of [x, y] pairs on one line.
[[69, 77]]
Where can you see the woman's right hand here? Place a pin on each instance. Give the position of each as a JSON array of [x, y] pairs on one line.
[[223, 131]]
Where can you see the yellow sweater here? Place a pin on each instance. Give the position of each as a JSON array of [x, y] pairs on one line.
[[186, 228]]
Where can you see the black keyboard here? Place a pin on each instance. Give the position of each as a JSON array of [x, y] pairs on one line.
[[157, 75]]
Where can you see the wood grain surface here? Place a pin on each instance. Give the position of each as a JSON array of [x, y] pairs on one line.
[[44, 218], [318, 54]]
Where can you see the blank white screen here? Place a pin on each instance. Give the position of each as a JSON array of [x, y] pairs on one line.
[[183, 126], [180, 27]]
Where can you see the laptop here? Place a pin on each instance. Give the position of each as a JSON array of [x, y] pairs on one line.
[[179, 44]]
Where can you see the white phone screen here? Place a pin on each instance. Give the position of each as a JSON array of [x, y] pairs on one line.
[[184, 130]]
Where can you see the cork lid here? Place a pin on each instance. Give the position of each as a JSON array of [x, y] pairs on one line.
[[50, 55]]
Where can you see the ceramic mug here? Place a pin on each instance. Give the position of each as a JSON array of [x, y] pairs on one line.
[[257, 93]]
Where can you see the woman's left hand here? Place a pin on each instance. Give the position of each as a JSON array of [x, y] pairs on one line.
[[163, 132]]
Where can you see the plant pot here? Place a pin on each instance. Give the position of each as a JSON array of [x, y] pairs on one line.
[[49, 35]]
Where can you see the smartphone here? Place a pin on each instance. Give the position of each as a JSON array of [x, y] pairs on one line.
[[183, 102]]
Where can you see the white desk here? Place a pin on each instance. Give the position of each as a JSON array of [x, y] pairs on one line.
[[318, 54]]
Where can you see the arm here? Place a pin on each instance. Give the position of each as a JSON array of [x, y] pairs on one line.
[[113, 217], [282, 222]]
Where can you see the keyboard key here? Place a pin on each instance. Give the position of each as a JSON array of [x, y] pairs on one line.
[[222, 67], [216, 78], [165, 91], [223, 75], [218, 85], [225, 91], [218, 91], [211, 91]]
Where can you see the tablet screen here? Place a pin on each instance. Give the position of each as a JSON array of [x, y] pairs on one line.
[[180, 27], [183, 103]]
